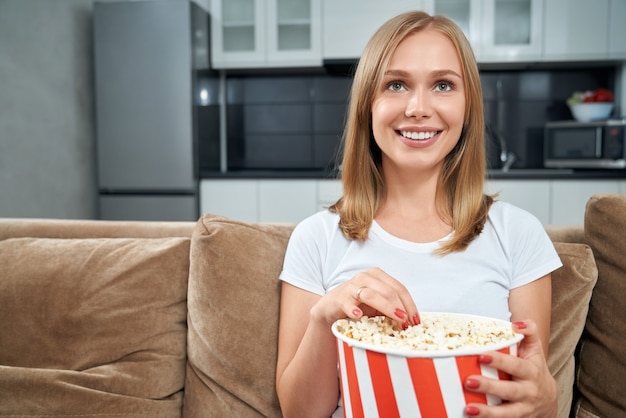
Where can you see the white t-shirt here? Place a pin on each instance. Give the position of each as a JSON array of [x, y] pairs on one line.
[[512, 250]]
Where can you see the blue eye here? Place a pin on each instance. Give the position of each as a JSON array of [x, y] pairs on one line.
[[395, 86], [444, 86]]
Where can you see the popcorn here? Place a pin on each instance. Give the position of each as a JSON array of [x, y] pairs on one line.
[[436, 332]]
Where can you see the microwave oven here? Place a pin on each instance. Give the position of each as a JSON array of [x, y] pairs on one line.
[[596, 144]]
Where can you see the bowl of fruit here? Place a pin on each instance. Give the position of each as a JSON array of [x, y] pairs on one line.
[[591, 105]]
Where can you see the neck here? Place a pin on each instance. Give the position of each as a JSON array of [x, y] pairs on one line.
[[410, 210]]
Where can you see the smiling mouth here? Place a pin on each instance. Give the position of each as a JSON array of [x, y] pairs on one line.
[[418, 136]]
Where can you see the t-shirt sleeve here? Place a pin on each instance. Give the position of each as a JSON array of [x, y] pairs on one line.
[[302, 266], [532, 252]]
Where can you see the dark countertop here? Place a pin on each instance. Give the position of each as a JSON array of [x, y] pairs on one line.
[[555, 174], [270, 174], [512, 174]]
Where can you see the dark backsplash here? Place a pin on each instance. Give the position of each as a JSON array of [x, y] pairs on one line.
[[518, 104], [295, 122], [285, 122]]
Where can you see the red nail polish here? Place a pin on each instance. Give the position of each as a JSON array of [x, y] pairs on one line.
[[485, 359], [520, 325], [400, 313], [472, 384], [416, 319], [405, 324], [472, 411], [356, 312]]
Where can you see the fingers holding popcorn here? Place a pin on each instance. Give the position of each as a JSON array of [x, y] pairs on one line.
[[376, 292]]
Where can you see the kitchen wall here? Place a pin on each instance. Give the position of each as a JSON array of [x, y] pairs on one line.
[[46, 109], [47, 139], [47, 127], [292, 122], [295, 121]]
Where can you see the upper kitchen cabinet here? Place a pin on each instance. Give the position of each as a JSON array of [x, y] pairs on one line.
[[617, 29], [499, 30], [266, 33], [576, 29], [512, 30], [465, 13], [349, 24]]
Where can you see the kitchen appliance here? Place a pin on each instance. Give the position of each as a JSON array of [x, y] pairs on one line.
[[596, 144], [156, 108]]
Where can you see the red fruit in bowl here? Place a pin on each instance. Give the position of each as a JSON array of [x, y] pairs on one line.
[[602, 95], [589, 99]]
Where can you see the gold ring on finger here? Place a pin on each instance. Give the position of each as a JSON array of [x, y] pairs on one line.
[[358, 293]]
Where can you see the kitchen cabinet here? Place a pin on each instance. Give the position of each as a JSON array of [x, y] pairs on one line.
[[577, 29], [511, 30], [569, 198], [584, 30], [554, 201], [232, 198], [265, 33], [349, 24], [617, 29], [465, 13], [260, 200], [291, 200], [328, 192], [286, 200], [499, 30], [531, 195]]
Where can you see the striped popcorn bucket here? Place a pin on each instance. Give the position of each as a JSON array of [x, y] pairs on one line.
[[381, 382]]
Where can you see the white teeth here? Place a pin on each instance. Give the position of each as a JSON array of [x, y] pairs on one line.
[[417, 135]]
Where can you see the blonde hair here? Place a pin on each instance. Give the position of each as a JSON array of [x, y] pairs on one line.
[[461, 197]]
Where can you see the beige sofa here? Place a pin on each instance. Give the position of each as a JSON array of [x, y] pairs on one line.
[[162, 319]]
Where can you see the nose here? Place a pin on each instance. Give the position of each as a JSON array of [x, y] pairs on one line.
[[418, 104]]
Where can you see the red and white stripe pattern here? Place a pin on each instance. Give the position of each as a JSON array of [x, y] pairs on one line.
[[382, 385]]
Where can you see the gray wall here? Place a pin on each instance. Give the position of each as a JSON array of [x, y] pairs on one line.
[[46, 109], [47, 127]]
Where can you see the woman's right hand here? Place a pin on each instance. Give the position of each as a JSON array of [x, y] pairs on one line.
[[372, 292], [306, 370]]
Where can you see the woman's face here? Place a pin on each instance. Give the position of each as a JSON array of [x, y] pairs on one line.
[[417, 116]]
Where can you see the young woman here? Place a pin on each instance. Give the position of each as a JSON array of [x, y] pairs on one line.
[[414, 228]]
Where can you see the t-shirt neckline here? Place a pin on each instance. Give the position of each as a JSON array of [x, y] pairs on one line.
[[385, 236]]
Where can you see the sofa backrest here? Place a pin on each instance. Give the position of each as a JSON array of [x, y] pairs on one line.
[[566, 233], [64, 228]]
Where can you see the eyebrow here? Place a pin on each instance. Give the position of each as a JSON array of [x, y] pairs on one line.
[[434, 74]]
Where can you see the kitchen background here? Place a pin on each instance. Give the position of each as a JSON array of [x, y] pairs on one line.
[[282, 113]]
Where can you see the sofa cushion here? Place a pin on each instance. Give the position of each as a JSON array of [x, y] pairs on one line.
[[233, 303], [602, 356], [572, 285], [93, 326]]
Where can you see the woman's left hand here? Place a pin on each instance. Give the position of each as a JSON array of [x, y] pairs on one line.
[[532, 392]]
